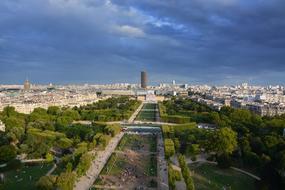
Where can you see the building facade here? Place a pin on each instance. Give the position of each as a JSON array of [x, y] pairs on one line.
[[143, 79]]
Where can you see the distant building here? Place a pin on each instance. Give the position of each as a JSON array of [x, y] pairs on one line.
[[143, 79], [27, 85]]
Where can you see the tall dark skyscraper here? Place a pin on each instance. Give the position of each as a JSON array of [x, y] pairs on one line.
[[143, 79]]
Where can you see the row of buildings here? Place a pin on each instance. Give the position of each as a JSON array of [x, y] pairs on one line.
[[26, 100], [265, 101]]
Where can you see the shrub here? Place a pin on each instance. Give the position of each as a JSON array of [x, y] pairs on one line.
[[224, 161]]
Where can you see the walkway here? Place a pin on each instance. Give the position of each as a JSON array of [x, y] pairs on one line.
[[162, 165], [51, 170], [33, 160], [85, 182], [133, 117], [106, 187]]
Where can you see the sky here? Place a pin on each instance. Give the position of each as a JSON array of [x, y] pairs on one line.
[[212, 42]]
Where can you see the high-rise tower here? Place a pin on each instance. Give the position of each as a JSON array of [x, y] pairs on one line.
[[143, 79], [27, 85]]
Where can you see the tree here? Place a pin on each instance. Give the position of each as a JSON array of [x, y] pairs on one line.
[[46, 183], [49, 157], [64, 143], [103, 140], [112, 129], [62, 122], [226, 110], [223, 141], [224, 161], [173, 176], [15, 128], [71, 113], [194, 149], [186, 173], [176, 144], [169, 148], [53, 110], [270, 141], [7, 153], [251, 159], [66, 181], [84, 164]]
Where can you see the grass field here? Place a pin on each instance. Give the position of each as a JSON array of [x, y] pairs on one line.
[[114, 166], [25, 178], [207, 176], [133, 164], [137, 142], [148, 113]]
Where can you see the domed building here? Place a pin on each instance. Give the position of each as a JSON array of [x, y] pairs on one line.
[[27, 85]]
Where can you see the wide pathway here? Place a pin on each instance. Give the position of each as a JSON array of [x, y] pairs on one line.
[[162, 165], [85, 182], [133, 117]]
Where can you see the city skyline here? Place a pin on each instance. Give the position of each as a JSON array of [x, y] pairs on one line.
[[212, 42]]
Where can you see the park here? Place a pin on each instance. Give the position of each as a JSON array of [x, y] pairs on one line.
[[127, 144]]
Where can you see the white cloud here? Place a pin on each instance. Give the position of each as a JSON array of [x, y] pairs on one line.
[[130, 31]]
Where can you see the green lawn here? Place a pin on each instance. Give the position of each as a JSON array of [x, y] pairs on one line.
[[150, 106], [25, 178], [207, 176], [136, 142], [147, 113]]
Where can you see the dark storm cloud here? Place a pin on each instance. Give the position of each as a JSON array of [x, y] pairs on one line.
[[199, 41]]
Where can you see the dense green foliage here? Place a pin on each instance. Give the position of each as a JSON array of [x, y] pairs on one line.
[[112, 109], [183, 111], [7, 153], [222, 141], [240, 138], [45, 133], [46, 183], [66, 181]]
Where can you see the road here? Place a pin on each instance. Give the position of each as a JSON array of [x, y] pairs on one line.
[[85, 182]]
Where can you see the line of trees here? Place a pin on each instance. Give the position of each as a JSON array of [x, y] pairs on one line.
[[183, 110], [186, 173], [173, 176]]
